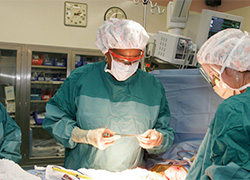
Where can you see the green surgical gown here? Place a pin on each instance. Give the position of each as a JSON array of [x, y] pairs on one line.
[[10, 137], [91, 98], [225, 151]]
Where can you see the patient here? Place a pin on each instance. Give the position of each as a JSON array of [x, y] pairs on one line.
[[225, 150], [10, 137]]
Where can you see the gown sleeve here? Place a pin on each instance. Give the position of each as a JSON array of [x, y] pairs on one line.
[[60, 117], [231, 132], [162, 125], [229, 171], [10, 137], [230, 144]]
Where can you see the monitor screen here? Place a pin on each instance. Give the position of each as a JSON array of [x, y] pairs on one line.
[[217, 24], [212, 22]]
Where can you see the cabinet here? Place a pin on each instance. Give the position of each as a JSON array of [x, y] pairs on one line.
[[46, 69], [48, 72], [10, 82], [83, 57]]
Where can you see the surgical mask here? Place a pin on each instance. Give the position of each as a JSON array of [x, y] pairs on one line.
[[120, 71]]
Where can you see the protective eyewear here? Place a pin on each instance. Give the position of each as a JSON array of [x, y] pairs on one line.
[[212, 81], [126, 61]]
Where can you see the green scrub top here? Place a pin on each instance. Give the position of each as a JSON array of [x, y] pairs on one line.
[[91, 98], [225, 150], [10, 137]]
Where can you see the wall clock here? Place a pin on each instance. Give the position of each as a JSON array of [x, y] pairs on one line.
[[115, 12], [75, 14]]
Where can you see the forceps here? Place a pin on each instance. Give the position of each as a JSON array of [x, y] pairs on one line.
[[126, 135], [118, 134], [122, 135]]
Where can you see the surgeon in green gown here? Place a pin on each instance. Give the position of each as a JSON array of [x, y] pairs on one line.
[[225, 150], [99, 101], [10, 137]]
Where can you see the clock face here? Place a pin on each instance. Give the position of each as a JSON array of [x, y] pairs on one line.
[[75, 14], [115, 12]]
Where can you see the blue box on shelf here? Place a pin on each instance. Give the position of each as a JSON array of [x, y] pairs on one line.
[[78, 60], [39, 117], [55, 77], [41, 76], [62, 77], [47, 61], [34, 76], [61, 62], [47, 77]]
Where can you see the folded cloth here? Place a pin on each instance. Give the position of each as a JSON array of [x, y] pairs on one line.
[[9, 170], [38, 173], [131, 174]]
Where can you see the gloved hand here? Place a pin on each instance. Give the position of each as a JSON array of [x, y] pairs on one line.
[[100, 138], [150, 139]]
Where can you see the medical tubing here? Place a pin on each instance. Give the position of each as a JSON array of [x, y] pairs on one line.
[[185, 158], [189, 51], [188, 160], [186, 61]]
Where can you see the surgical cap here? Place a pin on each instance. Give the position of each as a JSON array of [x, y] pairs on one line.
[[121, 34], [229, 47]]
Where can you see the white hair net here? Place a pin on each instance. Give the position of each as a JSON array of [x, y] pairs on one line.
[[228, 48], [121, 34]]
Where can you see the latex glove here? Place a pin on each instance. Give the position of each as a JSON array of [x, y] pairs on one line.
[[100, 138], [150, 139]]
